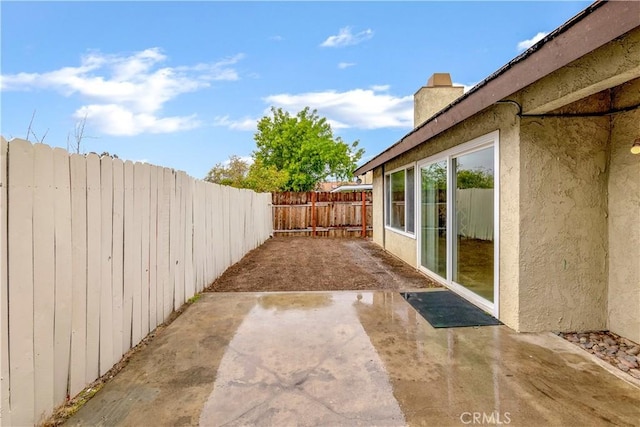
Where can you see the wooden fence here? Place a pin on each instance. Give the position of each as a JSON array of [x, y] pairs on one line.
[[94, 254], [322, 214]]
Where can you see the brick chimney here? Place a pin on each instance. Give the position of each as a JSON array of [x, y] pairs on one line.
[[437, 94]]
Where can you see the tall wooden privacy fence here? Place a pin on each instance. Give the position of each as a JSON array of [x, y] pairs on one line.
[[94, 254], [322, 214]]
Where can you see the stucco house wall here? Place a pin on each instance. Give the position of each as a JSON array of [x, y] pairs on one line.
[[563, 224], [623, 221], [569, 207]]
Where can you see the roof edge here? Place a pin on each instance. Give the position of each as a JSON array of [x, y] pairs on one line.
[[611, 19]]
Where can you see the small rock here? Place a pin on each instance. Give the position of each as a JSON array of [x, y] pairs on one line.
[[588, 345], [600, 354], [629, 364], [634, 350], [610, 341], [631, 358], [613, 348], [596, 348], [623, 367], [635, 373], [572, 338], [583, 340], [583, 335]]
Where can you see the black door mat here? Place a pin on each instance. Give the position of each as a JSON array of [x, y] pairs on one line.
[[445, 309]]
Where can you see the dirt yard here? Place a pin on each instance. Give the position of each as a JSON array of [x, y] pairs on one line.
[[319, 264]]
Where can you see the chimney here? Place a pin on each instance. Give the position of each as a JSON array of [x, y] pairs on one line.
[[437, 94]]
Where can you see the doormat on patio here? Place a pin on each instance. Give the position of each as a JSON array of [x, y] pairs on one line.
[[444, 309]]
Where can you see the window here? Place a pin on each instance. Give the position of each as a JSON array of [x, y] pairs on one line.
[[399, 200]]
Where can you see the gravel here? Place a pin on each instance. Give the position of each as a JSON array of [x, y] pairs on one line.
[[614, 349]]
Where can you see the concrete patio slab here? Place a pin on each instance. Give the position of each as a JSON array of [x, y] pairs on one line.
[[352, 358]]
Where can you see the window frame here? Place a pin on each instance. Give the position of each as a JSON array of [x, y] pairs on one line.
[[407, 192]]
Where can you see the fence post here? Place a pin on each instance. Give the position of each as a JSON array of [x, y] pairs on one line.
[[364, 214], [313, 213]]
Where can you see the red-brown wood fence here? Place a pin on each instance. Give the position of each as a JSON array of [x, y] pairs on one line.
[[322, 214]]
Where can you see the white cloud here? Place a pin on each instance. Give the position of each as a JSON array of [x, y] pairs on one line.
[[380, 88], [128, 91], [467, 88], [276, 38], [526, 44], [116, 120], [346, 38], [246, 123], [356, 108], [343, 65]]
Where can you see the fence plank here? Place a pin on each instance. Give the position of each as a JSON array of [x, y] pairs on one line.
[[127, 288], [170, 187], [78, 173], [93, 266], [189, 276], [145, 246], [43, 279], [227, 232], [178, 230], [20, 285], [117, 261], [63, 303], [136, 254], [106, 253], [153, 221], [162, 248], [5, 410]]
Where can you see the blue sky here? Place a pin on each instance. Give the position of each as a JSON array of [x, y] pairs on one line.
[[182, 84]]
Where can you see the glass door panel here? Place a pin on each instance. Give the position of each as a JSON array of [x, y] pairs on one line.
[[434, 218], [473, 222]]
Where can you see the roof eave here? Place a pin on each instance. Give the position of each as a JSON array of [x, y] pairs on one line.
[[595, 26]]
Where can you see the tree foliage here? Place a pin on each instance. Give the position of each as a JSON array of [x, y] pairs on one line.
[[265, 179], [435, 176], [303, 146], [232, 173]]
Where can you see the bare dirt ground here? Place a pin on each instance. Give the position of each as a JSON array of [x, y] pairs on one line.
[[319, 264]]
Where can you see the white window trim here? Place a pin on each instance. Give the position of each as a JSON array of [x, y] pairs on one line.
[[415, 195], [491, 139]]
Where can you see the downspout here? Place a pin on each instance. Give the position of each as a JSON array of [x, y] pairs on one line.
[[384, 220]]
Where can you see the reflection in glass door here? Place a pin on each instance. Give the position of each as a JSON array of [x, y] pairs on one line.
[[434, 218], [473, 221]]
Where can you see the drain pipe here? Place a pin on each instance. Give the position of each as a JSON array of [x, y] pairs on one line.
[[384, 220]]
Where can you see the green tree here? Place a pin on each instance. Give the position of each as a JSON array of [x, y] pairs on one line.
[[477, 178], [265, 179], [436, 176], [233, 173], [304, 146]]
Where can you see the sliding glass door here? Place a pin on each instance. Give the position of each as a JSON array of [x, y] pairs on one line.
[[473, 222], [434, 218], [457, 219]]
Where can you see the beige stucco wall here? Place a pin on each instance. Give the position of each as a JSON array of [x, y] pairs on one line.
[[624, 217], [429, 100], [401, 246], [563, 225]]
